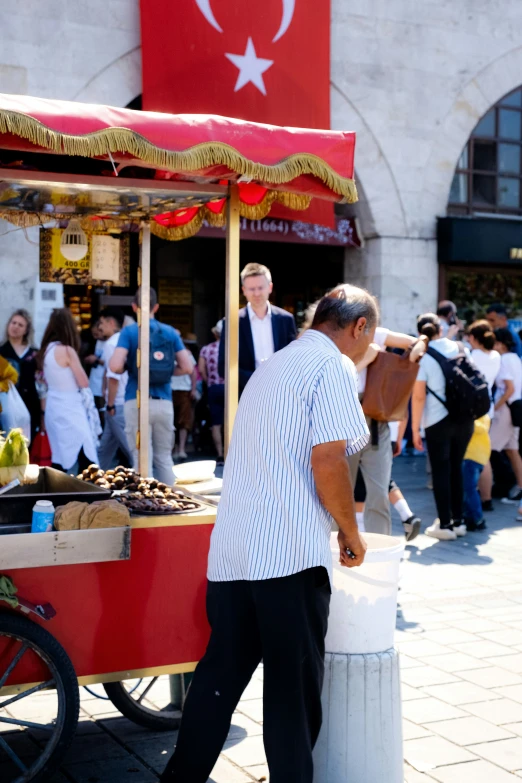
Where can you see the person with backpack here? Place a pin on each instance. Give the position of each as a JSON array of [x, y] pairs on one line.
[[504, 427], [168, 357], [449, 394]]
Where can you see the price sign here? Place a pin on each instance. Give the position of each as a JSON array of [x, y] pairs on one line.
[[105, 258]]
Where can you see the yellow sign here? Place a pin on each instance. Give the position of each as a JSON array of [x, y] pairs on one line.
[[106, 263], [516, 253], [174, 291]]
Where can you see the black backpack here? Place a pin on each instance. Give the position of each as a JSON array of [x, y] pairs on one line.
[[467, 393]]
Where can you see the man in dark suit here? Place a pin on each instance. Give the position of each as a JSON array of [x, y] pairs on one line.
[[263, 328]]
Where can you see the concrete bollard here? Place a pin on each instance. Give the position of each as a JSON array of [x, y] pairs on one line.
[[361, 736]]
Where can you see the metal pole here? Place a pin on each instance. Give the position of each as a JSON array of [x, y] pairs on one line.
[[232, 313], [142, 400]]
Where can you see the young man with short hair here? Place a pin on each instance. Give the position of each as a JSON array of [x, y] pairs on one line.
[[497, 318], [168, 357], [263, 327]]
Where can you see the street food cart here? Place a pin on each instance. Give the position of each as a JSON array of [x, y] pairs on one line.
[[130, 602]]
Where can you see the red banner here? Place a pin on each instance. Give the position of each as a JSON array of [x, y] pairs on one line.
[[266, 62]]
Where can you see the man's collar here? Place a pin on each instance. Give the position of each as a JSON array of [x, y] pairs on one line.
[[321, 337], [252, 315]]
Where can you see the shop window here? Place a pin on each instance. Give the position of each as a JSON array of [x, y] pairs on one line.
[[485, 153], [509, 124], [459, 189], [489, 171], [509, 192], [509, 158]]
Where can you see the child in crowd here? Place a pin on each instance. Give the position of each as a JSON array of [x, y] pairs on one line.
[[476, 457]]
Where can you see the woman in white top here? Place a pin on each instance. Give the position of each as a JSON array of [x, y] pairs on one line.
[[72, 442], [504, 436], [446, 438], [482, 341]]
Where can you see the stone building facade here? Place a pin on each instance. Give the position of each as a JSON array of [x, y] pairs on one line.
[[411, 78]]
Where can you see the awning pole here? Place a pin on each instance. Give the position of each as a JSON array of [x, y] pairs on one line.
[[232, 313], [142, 437]]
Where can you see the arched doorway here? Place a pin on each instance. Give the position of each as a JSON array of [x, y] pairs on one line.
[[480, 240]]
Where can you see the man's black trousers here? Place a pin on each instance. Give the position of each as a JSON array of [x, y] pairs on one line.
[[282, 622]]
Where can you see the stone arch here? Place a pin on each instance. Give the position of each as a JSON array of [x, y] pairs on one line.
[[117, 84], [483, 91], [382, 210]]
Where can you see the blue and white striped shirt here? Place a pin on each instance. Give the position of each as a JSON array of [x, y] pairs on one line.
[[270, 521]]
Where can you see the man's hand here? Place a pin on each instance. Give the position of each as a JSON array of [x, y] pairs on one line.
[[356, 544], [397, 448], [91, 359], [417, 441]]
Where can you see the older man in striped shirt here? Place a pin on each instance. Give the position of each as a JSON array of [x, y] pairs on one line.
[[270, 564]]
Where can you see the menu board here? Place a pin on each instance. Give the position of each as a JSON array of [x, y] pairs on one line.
[[107, 261]]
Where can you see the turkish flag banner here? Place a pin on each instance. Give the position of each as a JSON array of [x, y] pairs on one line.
[[266, 62]]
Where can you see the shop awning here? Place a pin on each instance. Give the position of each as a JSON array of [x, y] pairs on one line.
[[270, 164]]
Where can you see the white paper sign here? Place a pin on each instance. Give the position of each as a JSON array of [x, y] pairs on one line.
[[105, 258]]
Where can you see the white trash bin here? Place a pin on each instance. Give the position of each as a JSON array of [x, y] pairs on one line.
[[363, 608]]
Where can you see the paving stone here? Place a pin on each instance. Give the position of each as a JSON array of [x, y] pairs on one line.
[[225, 772], [472, 772], [460, 693], [426, 675], [432, 752], [259, 772], [469, 731], [412, 776], [409, 663], [511, 662], [492, 677], [451, 636], [423, 648], [252, 708], [86, 747], [129, 770], [155, 752], [249, 751], [505, 753], [455, 662], [413, 731], [408, 693], [513, 692], [429, 709], [480, 625], [242, 726], [514, 728], [499, 711], [483, 648], [507, 636]]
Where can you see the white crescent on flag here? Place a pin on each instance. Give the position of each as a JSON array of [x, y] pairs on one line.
[[206, 10], [288, 15]]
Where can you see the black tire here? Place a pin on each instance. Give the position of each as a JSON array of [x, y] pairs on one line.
[[156, 720], [41, 642]]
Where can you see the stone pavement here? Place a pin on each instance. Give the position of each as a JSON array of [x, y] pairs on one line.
[[460, 637]]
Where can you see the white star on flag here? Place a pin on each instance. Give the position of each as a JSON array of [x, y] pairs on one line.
[[251, 67]]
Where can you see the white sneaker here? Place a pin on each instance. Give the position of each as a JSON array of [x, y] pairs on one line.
[[519, 514], [460, 530], [442, 533]]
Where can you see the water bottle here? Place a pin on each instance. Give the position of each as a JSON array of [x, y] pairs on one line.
[[43, 517]]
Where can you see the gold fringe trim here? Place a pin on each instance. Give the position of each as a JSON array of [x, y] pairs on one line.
[[172, 233], [198, 157]]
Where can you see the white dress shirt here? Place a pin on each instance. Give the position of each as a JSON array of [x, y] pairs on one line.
[[262, 334], [270, 521]]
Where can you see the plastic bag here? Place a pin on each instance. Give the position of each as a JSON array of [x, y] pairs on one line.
[[14, 412], [41, 451]]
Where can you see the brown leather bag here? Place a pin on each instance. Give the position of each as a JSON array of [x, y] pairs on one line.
[[389, 384]]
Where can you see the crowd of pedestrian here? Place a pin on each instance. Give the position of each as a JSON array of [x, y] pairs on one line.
[[83, 396]]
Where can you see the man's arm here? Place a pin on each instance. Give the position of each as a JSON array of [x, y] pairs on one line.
[[184, 362], [113, 390], [334, 487], [292, 329], [244, 375], [118, 360], [418, 401]]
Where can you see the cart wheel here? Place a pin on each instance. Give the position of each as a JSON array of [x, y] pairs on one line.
[[137, 699], [31, 749]]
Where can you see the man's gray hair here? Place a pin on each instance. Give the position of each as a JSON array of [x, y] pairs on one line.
[[344, 305]]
